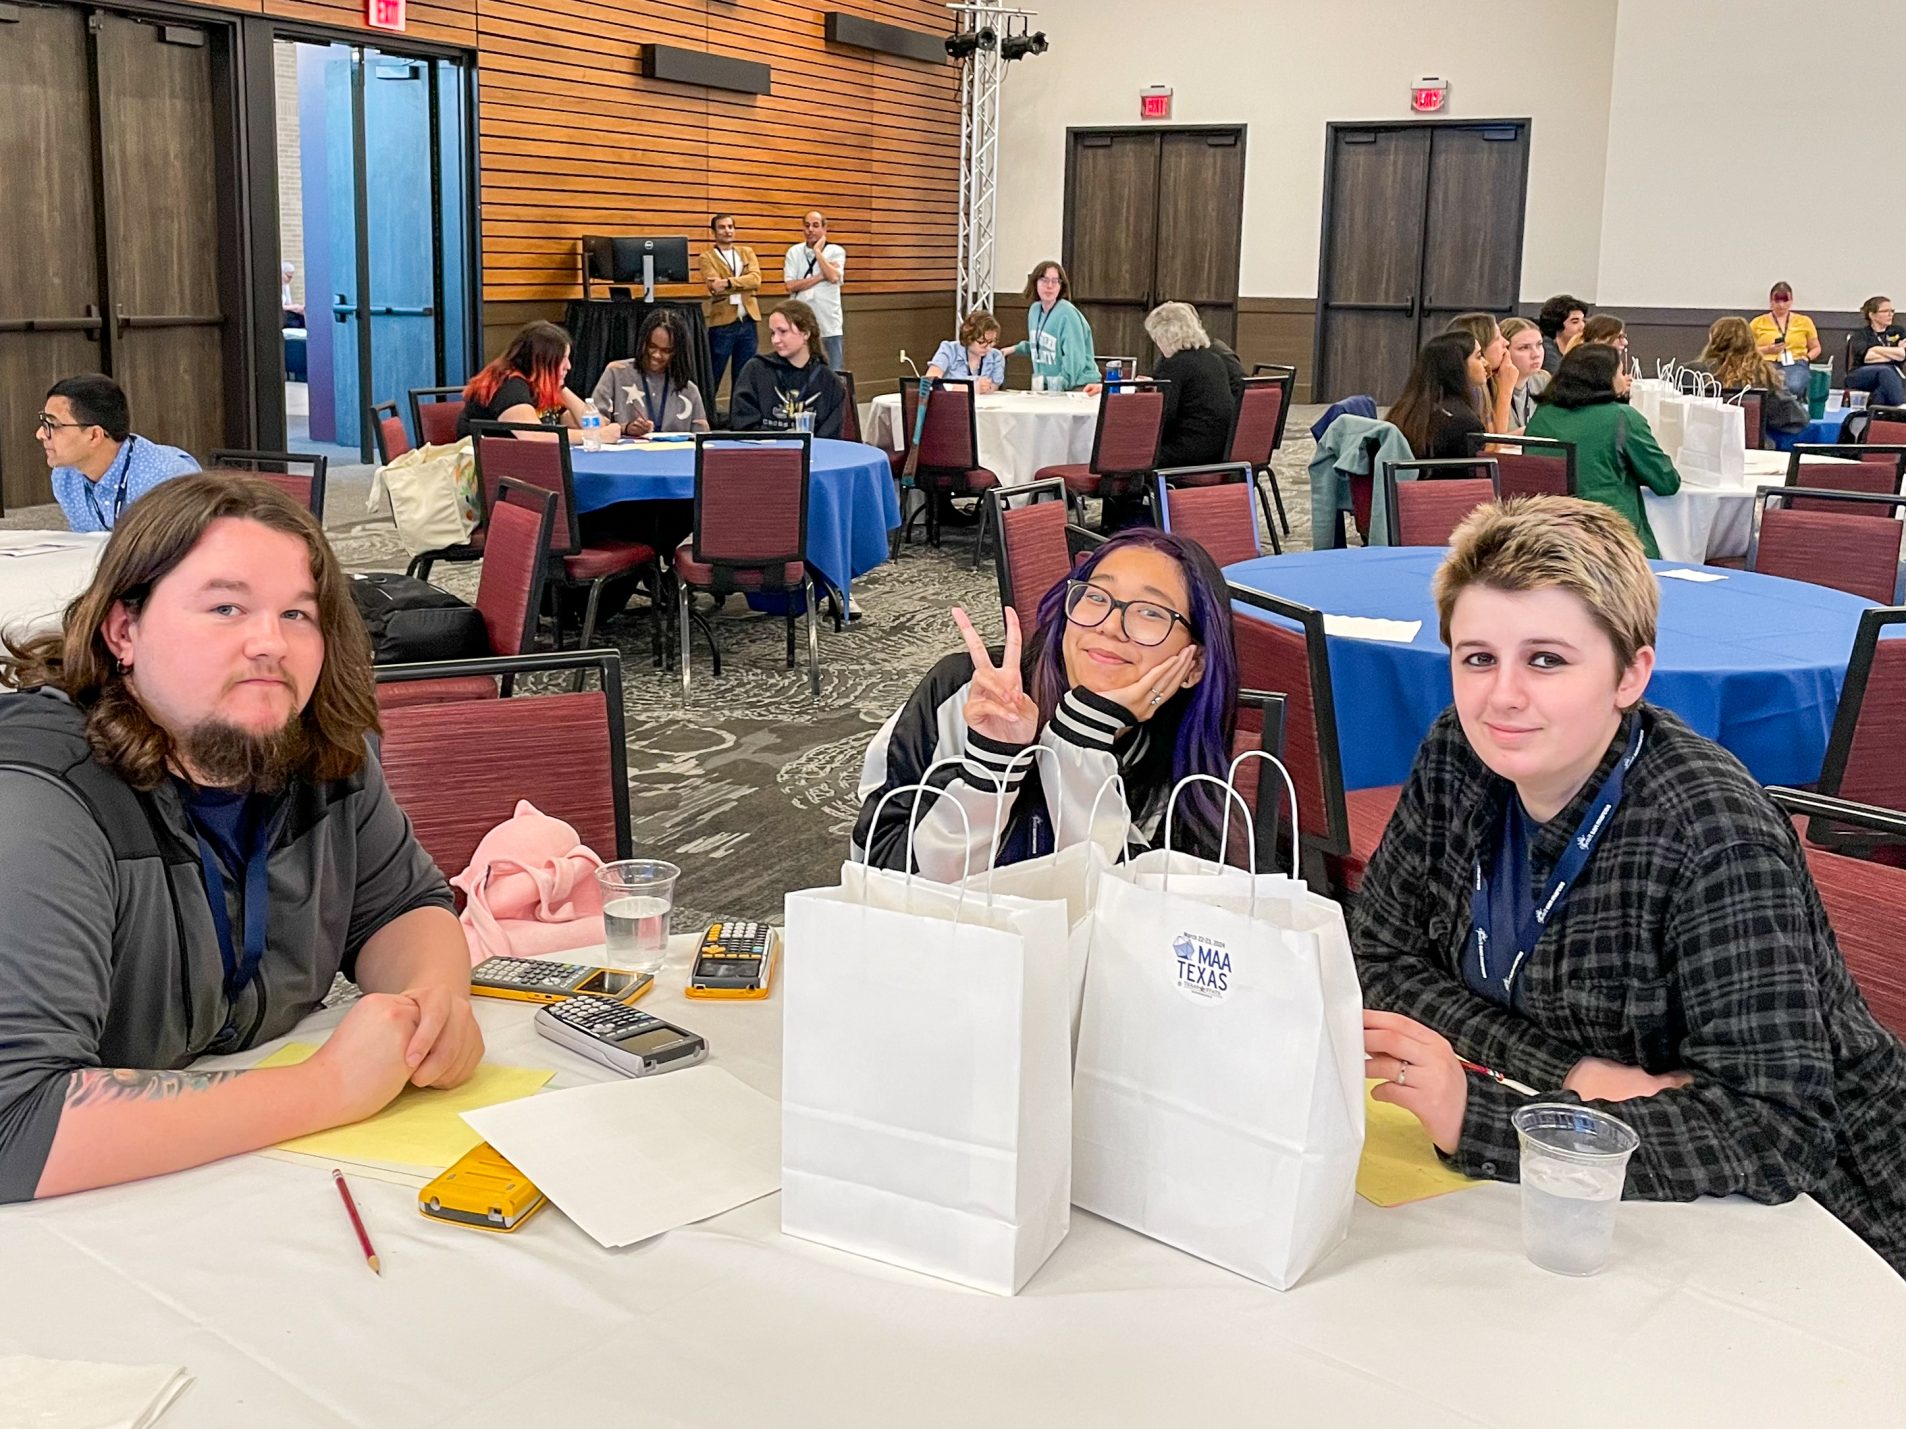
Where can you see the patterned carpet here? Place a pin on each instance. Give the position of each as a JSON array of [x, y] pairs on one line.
[[751, 788]]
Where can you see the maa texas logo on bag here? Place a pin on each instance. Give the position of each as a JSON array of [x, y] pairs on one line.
[[1204, 967]]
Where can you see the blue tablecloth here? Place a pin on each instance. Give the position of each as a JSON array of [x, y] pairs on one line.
[[1824, 431], [851, 502], [1753, 662]]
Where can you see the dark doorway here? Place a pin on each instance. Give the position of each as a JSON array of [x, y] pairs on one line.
[[1153, 216], [1421, 222]]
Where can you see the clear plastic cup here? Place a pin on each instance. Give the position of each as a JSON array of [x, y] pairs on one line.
[[637, 895], [1856, 401], [1574, 1161]]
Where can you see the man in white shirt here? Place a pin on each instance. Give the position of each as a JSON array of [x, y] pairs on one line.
[[813, 273]]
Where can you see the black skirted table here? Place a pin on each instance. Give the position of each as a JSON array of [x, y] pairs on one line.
[[605, 331]]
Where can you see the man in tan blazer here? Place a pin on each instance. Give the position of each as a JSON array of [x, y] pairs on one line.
[[733, 276]]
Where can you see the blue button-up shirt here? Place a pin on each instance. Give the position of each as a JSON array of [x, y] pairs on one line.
[[140, 466]]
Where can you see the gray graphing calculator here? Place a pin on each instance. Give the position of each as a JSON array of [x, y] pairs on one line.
[[622, 1038]]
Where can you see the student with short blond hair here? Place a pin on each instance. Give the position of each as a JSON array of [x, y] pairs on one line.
[[1580, 893]]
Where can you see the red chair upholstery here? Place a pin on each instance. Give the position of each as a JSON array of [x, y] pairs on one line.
[[1260, 727], [1854, 548], [457, 768], [1257, 431], [1284, 649], [1865, 902], [1528, 466], [850, 409], [1131, 423], [750, 533], [1753, 404], [1038, 545], [300, 475], [573, 563], [949, 452], [434, 412], [1886, 426], [1863, 761], [509, 593], [392, 440], [1221, 518], [1429, 499], [1878, 471]]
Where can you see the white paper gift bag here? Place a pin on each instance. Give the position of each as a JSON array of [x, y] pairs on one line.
[[926, 1097], [1713, 440], [1218, 1100]]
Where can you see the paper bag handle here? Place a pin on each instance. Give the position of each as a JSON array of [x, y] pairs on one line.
[[1250, 827], [1092, 817], [966, 867], [1031, 751], [1231, 778]]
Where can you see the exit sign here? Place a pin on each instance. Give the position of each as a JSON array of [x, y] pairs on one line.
[[384, 14], [1428, 96], [1154, 103]]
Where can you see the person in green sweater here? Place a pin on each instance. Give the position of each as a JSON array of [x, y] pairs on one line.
[[1616, 453], [1058, 338]]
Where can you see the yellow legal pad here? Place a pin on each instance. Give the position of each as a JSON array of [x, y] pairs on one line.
[[1399, 1163], [423, 1126]]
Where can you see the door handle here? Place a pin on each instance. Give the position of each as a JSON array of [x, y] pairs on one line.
[[122, 320], [89, 325]]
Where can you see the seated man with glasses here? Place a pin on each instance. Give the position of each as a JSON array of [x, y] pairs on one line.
[[1129, 671], [99, 467]]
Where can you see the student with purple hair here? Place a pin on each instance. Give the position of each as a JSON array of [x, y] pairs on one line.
[[1129, 671]]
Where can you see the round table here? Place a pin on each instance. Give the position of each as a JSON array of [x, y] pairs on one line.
[[1823, 430], [1700, 522], [851, 501], [40, 571], [1019, 432], [1753, 662]]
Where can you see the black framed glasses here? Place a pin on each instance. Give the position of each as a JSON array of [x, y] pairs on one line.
[[49, 423], [1144, 622]]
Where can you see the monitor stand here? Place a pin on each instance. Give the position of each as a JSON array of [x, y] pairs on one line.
[[648, 277]]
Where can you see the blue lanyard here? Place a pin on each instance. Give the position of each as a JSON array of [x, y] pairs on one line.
[[648, 400], [256, 906], [1500, 965], [124, 463]]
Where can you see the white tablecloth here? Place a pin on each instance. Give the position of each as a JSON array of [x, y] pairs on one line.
[[35, 588], [246, 1272], [1019, 432], [1699, 522]]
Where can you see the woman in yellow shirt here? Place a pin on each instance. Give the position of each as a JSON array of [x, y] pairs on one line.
[[1787, 339]]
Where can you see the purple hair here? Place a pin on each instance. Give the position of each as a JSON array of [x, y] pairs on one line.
[[1205, 716]]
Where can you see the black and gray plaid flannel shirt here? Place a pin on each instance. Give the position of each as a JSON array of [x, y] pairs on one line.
[[1694, 941]]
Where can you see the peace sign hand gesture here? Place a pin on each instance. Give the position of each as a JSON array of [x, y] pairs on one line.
[[997, 704]]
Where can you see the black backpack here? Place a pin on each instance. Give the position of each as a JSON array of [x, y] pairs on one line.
[[411, 620]]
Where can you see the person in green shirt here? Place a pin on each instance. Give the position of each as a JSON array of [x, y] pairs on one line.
[[1616, 453], [1058, 338]]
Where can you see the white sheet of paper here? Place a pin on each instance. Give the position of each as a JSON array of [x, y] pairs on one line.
[[53, 1392], [629, 1159], [1367, 627], [38, 548], [1700, 577]]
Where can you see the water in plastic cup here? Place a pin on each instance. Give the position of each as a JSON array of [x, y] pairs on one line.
[[637, 894], [1856, 401], [1574, 1161], [804, 421]]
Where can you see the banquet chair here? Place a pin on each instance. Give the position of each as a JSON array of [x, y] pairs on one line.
[[1865, 903], [1342, 828], [949, 452], [1846, 540], [1222, 518], [457, 768], [1885, 426], [850, 409], [388, 427], [750, 535], [1426, 509], [1131, 423], [1878, 470], [509, 593], [572, 563], [1528, 466], [1869, 730], [1257, 431], [1753, 404], [299, 475], [433, 414], [1260, 727], [1038, 545]]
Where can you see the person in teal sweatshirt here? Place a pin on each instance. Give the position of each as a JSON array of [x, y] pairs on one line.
[[1616, 453], [1058, 338]]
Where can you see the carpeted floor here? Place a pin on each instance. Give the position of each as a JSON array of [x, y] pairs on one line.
[[751, 787]]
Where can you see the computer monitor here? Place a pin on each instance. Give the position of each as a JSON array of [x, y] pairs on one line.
[[647, 261]]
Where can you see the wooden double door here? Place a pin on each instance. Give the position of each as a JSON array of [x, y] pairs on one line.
[[1153, 216], [1421, 222], [112, 231]]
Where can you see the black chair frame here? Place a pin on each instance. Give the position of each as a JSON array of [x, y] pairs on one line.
[[282, 464], [1001, 498], [1166, 477], [1266, 815], [376, 413], [1286, 378], [1550, 446], [1875, 504], [1141, 477], [1756, 438], [1846, 716], [1459, 468], [1846, 451], [435, 394], [929, 496]]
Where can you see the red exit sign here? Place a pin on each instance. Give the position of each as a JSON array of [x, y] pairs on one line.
[[1154, 103], [384, 14], [1428, 96]]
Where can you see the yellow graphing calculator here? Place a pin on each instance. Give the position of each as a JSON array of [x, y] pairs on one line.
[[542, 980], [483, 1191], [735, 960]]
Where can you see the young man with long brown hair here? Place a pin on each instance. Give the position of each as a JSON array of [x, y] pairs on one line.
[[197, 840]]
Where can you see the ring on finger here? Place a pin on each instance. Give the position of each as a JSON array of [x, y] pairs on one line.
[[1402, 1074]]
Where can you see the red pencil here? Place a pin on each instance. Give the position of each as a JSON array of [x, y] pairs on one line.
[[357, 1221]]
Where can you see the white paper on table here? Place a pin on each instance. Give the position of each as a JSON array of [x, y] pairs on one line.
[[629, 1159], [1368, 627], [40, 548], [1702, 577], [82, 1394]]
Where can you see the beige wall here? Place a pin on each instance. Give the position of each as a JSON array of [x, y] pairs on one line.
[[290, 188]]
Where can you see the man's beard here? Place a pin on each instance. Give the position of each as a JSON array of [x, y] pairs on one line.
[[223, 756]]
